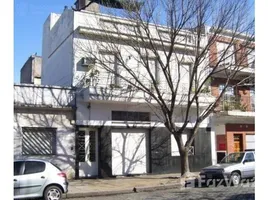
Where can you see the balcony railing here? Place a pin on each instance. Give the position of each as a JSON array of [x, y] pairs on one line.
[[239, 103]]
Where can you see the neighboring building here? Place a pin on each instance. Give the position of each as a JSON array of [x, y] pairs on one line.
[[43, 124], [234, 121], [116, 135], [31, 71]]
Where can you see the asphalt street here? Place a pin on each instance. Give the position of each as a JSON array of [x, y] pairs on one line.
[[242, 192]]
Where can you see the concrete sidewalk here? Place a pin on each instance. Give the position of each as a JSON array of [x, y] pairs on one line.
[[123, 185]]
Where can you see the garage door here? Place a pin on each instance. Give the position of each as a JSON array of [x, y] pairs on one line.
[[250, 140], [128, 151]]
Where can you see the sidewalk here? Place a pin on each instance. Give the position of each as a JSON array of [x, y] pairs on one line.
[[120, 185]]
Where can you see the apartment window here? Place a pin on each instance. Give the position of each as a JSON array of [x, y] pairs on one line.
[[116, 70], [130, 116], [185, 71], [252, 98], [225, 53], [229, 91], [112, 63], [154, 67], [38, 141]]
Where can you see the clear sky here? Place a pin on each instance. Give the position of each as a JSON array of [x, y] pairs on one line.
[[29, 17]]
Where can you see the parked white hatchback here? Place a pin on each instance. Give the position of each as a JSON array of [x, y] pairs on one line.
[[38, 178]]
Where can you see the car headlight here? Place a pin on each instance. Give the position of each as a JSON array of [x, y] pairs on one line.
[[202, 171]]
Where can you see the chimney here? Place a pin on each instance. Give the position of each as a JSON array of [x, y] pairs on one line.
[[80, 4]]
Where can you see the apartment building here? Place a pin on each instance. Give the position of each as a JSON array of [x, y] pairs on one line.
[[117, 132], [234, 119]]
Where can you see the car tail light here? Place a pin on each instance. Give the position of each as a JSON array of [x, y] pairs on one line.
[[62, 174]]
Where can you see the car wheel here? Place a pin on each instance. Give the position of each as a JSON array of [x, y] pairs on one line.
[[235, 178], [53, 193]]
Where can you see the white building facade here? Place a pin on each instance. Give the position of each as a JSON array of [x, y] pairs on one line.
[[43, 124], [117, 133]]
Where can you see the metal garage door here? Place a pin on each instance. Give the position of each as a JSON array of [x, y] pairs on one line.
[[128, 151], [250, 140]]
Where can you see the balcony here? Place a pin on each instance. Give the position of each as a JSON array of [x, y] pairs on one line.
[[39, 96], [237, 103], [242, 71]]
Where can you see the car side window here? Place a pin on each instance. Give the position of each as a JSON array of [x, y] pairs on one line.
[[32, 167], [17, 168], [250, 157]]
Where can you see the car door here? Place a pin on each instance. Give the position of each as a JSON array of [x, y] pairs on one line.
[[33, 178], [18, 167], [249, 165]]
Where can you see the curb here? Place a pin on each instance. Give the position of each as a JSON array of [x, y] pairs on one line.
[[116, 192]]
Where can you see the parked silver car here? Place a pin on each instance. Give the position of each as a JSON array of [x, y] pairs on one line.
[[233, 168], [38, 178]]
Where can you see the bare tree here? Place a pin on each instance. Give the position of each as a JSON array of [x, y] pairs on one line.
[[166, 49]]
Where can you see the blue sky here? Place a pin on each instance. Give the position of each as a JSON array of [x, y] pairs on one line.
[[29, 17]]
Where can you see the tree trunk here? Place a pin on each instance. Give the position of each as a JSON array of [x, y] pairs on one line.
[[185, 169]]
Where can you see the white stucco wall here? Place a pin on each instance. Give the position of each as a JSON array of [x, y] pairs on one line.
[[220, 129], [57, 51], [65, 136], [25, 94], [42, 106], [95, 113]]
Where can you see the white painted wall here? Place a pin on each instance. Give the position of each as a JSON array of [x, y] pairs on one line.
[[220, 129], [57, 49], [50, 98], [100, 113], [65, 136], [43, 95]]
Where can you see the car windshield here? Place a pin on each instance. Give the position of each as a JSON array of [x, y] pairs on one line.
[[233, 158]]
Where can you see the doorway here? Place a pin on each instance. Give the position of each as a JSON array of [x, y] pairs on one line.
[[238, 142]]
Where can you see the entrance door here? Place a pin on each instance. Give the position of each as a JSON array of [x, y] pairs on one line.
[[88, 153], [238, 142]]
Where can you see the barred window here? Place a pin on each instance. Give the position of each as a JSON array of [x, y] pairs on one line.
[[81, 146], [86, 147], [38, 141]]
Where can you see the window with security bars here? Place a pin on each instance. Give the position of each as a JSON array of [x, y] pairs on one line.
[[81, 146], [84, 152], [38, 141]]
